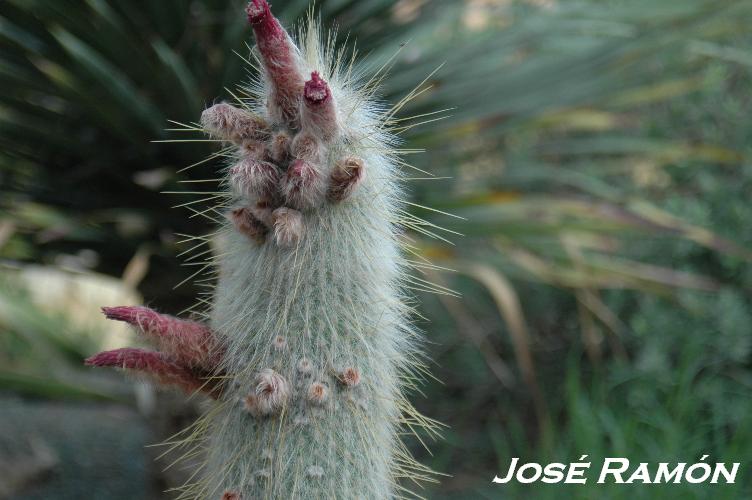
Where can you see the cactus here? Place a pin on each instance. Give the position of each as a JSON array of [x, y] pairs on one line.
[[308, 350]]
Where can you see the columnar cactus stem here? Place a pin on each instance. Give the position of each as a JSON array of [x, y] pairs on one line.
[[308, 341]]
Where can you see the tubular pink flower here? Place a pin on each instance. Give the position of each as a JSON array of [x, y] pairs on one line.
[[191, 344], [155, 364], [280, 59]]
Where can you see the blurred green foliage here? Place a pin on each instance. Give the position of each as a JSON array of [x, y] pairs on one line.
[[41, 352], [598, 153]]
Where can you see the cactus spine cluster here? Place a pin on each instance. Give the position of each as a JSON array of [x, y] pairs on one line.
[[307, 350]]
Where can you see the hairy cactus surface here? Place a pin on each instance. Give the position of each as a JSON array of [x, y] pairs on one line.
[[307, 350]]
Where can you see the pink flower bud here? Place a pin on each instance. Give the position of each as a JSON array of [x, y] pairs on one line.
[[279, 148], [288, 226], [303, 186], [233, 124], [253, 149], [319, 112], [255, 179], [345, 177], [305, 146], [247, 224]]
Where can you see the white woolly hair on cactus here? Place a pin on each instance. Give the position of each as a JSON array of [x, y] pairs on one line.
[[308, 349]]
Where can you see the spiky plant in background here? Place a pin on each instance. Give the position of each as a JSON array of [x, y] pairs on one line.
[[308, 347]]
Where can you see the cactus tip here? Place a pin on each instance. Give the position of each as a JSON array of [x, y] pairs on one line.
[[316, 90], [128, 314], [265, 25], [258, 11]]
